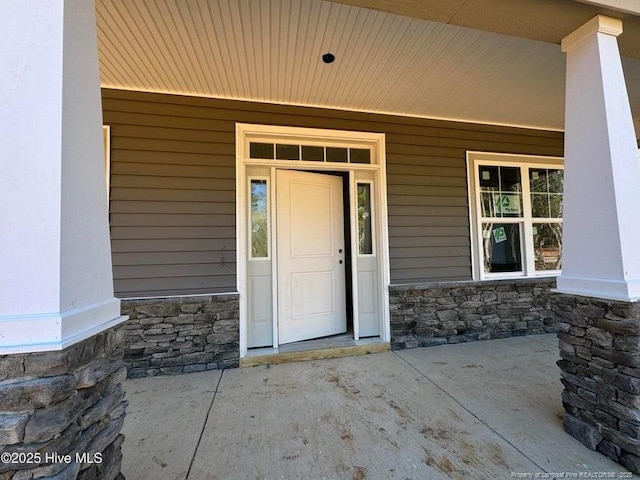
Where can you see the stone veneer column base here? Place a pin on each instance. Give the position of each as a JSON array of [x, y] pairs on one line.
[[165, 336], [600, 358], [68, 402]]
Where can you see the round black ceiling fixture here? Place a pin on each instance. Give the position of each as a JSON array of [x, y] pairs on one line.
[[328, 58]]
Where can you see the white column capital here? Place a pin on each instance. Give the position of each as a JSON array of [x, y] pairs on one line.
[[598, 24]]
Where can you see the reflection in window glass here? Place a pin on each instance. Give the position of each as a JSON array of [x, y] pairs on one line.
[[335, 154], [312, 153], [510, 179], [261, 150], [547, 245], [259, 220], [360, 155], [489, 179], [502, 247], [532, 243], [556, 181], [365, 243], [546, 192], [555, 205], [540, 205], [287, 152], [500, 191], [538, 180]]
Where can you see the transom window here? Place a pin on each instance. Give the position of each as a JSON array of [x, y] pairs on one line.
[[308, 153], [516, 220]]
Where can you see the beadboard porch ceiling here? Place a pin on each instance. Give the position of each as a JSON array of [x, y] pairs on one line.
[[270, 51]]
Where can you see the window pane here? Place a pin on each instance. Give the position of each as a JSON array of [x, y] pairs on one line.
[[556, 181], [540, 205], [287, 152], [259, 220], [508, 205], [546, 192], [365, 244], [506, 197], [488, 203], [510, 179], [538, 180], [360, 155], [261, 150], [312, 154], [489, 179], [547, 246], [555, 205], [501, 247], [336, 154]]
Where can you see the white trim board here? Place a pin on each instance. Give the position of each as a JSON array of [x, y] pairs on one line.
[[56, 331]]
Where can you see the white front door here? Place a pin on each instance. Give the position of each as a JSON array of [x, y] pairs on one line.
[[310, 248]]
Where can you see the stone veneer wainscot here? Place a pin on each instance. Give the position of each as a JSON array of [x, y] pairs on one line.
[[174, 335], [452, 312]]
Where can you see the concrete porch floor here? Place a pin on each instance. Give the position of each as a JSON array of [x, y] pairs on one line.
[[487, 409]]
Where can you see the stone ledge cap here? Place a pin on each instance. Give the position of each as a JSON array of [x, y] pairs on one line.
[[598, 24]]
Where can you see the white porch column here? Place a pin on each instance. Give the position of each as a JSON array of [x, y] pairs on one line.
[[601, 254], [56, 285]]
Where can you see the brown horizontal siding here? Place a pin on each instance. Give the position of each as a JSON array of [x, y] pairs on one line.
[[416, 275], [429, 252], [410, 192], [176, 220], [174, 257], [185, 158], [212, 185], [426, 210], [174, 146], [173, 187], [170, 195], [163, 170], [411, 242], [430, 200], [168, 245], [170, 231], [192, 207], [176, 270]]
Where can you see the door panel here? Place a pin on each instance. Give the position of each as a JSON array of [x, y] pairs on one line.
[[310, 245]]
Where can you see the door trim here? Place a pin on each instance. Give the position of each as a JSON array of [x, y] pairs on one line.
[[245, 133]]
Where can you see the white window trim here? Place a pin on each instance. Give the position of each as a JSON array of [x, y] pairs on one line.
[[475, 220]]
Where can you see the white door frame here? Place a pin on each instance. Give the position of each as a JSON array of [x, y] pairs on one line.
[[246, 133]]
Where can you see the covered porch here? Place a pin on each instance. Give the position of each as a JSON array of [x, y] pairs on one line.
[[417, 102]]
